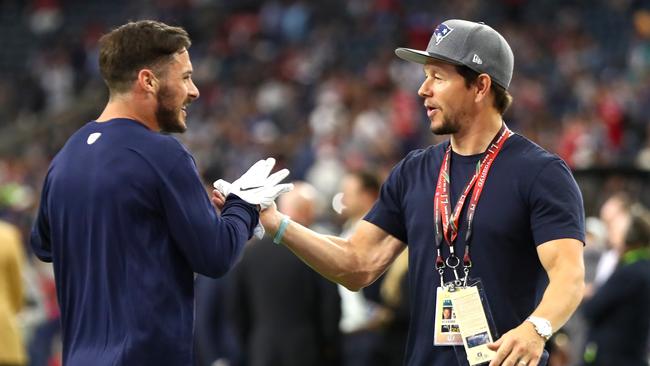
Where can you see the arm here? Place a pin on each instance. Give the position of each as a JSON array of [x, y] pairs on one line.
[[354, 263], [210, 243], [562, 260]]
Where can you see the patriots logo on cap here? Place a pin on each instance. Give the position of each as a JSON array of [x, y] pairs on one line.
[[441, 32]]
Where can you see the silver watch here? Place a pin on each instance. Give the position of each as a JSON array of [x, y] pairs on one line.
[[542, 326]]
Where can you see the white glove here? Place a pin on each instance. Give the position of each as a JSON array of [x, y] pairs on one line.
[[224, 188], [263, 195], [256, 186]]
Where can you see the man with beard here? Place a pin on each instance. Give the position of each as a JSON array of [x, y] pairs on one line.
[[526, 232], [125, 218]]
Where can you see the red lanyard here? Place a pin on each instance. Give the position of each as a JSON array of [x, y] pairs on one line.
[[442, 206]]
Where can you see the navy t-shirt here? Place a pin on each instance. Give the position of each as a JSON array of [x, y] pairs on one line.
[[529, 198], [126, 222]]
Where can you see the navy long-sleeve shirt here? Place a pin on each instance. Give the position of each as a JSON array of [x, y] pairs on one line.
[[126, 222]]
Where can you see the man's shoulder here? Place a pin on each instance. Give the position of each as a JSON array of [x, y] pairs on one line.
[[528, 154], [124, 139], [417, 156]]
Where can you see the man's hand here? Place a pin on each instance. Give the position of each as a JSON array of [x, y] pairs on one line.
[[218, 199], [521, 346], [256, 186]]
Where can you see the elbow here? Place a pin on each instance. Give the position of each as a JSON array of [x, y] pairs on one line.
[[361, 272], [357, 281], [352, 286], [221, 258], [223, 265]]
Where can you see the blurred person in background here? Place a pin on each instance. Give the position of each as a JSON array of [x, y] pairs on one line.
[[528, 229], [215, 343], [615, 215], [12, 350], [396, 316], [124, 216], [359, 315], [618, 314], [284, 312]]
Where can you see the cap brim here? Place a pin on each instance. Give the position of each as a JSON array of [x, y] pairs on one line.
[[421, 57]]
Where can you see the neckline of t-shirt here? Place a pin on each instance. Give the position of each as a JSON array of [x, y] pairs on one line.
[[456, 157], [113, 121], [467, 159]]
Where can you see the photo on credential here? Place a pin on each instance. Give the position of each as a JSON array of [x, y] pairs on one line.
[[477, 339]]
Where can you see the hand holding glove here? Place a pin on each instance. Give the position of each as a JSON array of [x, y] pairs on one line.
[[257, 187]]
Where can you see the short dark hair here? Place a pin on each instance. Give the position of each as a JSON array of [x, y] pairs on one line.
[[502, 99], [135, 45], [368, 181]]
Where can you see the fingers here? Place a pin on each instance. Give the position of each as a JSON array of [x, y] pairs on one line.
[[276, 177], [257, 174], [513, 350], [512, 359], [251, 173], [218, 199], [495, 345], [222, 186], [264, 171], [283, 188], [503, 350]]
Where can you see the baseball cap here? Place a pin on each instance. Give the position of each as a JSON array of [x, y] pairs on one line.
[[471, 44]]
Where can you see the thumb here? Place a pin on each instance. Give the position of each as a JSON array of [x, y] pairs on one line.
[[282, 188], [271, 193], [495, 345]]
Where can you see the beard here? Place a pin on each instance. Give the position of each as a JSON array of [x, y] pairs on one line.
[[449, 126], [169, 117]]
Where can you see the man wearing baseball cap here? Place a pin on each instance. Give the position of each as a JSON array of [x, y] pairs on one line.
[[494, 223]]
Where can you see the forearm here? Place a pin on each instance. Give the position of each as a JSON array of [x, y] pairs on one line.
[[333, 257], [562, 296]]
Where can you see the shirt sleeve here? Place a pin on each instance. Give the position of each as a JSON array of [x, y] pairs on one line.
[[556, 208], [210, 243], [40, 235], [387, 211]]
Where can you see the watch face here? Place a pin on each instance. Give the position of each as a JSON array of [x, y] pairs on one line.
[[542, 326], [545, 329]]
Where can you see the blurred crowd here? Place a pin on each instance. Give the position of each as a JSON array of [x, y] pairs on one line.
[[316, 85]]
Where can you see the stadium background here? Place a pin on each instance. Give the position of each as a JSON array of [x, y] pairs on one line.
[[316, 85]]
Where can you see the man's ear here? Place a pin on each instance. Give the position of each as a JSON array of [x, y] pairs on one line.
[[147, 81], [482, 84]]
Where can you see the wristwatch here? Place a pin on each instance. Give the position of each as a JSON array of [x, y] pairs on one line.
[[542, 326]]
